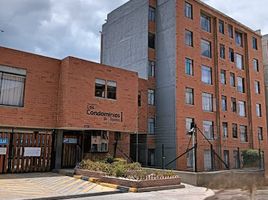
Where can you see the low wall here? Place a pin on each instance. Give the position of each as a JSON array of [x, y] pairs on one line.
[[223, 179]]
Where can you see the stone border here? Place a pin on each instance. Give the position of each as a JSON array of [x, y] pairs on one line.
[[127, 185]]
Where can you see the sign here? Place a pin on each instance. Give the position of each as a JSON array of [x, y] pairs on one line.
[[32, 151], [70, 140], [109, 116], [3, 141], [3, 150]]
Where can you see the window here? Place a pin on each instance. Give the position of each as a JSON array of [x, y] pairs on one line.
[[151, 157], [260, 134], [151, 40], [151, 14], [100, 88], [207, 102], [189, 38], [226, 157], [225, 129], [258, 110], [111, 89], [207, 160], [151, 97], [139, 99], [257, 87], [238, 39], [99, 141], [189, 96], [12, 82], [242, 108], [236, 159], [223, 77], [189, 66], [188, 124], [222, 51], [205, 23], [188, 10], [254, 43], [240, 84], [208, 129], [189, 158], [230, 31], [206, 48], [256, 65], [243, 134], [234, 130], [231, 54], [224, 103], [232, 79], [206, 75], [117, 136], [151, 125], [221, 26], [151, 68], [239, 61], [233, 104]]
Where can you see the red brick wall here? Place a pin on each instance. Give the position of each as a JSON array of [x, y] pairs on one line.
[[41, 88]]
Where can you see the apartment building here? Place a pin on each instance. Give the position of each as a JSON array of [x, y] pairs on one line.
[[55, 112], [200, 65]]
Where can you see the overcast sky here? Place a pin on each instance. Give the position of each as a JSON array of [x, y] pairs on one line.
[[59, 28]]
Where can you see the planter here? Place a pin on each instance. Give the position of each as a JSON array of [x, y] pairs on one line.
[[89, 173], [129, 182]]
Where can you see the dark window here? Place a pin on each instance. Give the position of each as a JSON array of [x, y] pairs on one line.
[[233, 104], [224, 103], [222, 51], [260, 133], [221, 26], [254, 43], [189, 96], [151, 40], [256, 65], [151, 14], [240, 84], [238, 38], [189, 38], [117, 136], [151, 125], [232, 79], [231, 54], [223, 77], [257, 87], [243, 134], [206, 48], [100, 88], [151, 157], [151, 68], [111, 89], [188, 10], [230, 31], [12, 87], [139, 99], [234, 130], [189, 67], [226, 157], [205, 23], [258, 110]]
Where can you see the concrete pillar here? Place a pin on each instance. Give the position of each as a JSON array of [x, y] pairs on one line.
[[59, 142]]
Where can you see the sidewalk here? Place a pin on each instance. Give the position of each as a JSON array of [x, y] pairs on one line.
[[44, 185]]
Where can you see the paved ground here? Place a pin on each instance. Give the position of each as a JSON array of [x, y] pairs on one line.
[[187, 193], [37, 185]]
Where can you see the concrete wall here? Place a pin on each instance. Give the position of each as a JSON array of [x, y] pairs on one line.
[[165, 80], [125, 37]]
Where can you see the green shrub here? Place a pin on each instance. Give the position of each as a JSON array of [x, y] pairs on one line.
[[250, 158]]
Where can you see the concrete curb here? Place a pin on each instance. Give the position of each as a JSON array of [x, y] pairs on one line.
[[121, 189]]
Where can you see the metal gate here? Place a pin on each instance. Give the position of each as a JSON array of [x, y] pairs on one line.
[[22, 152]]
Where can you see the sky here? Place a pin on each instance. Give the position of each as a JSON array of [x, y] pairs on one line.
[[61, 28]]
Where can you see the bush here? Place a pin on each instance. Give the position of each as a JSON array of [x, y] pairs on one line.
[[250, 158]]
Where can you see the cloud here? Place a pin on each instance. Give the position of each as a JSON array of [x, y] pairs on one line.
[[55, 28]]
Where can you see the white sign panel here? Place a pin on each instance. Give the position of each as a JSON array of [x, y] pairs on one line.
[[32, 151], [3, 150]]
